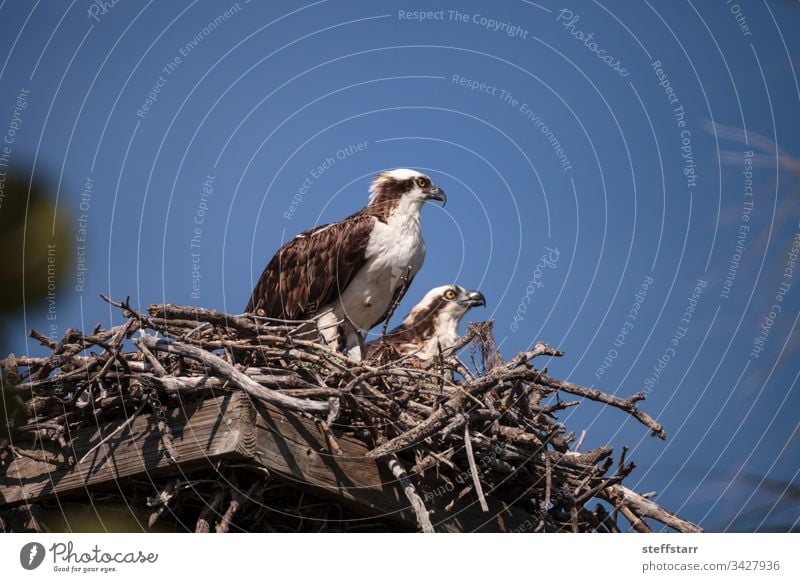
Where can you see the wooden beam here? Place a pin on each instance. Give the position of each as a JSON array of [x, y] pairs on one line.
[[202, 433], [296, 449], [291, 447]]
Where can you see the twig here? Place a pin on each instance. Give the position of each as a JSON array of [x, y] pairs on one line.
[[473, 468], [417, 505], [626, 404], [577, 446], [637, 523], [399, 291], [162, 501], [548, 482], [224, 523], [648, 508], [153, 361], [238, 500], [203, 524]]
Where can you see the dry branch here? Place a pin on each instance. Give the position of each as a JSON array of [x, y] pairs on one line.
[[417, 505], [226, 370]]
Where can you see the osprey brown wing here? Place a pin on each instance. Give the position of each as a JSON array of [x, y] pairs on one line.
[[406, 334], [312, 269]]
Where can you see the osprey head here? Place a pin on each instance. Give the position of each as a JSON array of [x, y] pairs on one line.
[[433, 323], [404, 187], [431, 326], [446, 303]]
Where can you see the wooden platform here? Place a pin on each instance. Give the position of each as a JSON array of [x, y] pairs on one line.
[[292, 448]]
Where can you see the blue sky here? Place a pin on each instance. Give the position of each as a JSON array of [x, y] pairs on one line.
[[588, 151]]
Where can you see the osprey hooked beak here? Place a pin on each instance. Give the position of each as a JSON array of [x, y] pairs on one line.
[[433, 192], [473, 299]]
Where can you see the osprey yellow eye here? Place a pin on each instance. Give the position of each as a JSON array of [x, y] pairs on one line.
[[449, 294], [422, 182]]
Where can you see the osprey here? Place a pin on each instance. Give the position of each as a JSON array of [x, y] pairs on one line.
[[352, 272], [430, 327]]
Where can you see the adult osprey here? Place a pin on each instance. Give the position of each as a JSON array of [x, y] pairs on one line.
[[347, 275], [430, 327]]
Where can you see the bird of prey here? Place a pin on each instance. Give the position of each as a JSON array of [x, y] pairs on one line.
[[430, 327], [348, 275]]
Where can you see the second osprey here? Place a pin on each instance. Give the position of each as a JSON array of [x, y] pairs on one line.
[[353, 270]]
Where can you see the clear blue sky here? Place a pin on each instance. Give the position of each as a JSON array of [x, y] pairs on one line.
[[608, 137]]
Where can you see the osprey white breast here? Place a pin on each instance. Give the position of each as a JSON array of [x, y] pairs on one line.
[[351, 271]]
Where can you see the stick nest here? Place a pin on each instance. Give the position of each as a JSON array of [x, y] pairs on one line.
[[469, 423]]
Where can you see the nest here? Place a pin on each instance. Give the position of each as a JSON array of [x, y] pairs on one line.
[[469, 441]]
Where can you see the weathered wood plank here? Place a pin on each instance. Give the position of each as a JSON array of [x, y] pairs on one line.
[[208, 431], [292, 448], [296, 449]]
